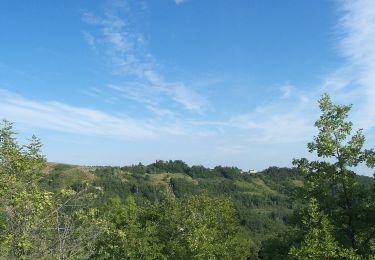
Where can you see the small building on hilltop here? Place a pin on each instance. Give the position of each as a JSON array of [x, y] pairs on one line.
[[249, 171]]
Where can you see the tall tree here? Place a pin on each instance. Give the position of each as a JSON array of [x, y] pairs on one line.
[[35, 223], [333, 181]]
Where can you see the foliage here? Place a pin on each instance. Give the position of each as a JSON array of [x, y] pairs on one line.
[[36, 223], [319, 242], [347, 202], [124, 236], [262, 201], [196, 227]]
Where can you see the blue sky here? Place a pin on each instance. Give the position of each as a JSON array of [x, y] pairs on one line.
[[208, 82]]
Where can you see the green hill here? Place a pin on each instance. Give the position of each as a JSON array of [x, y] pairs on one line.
[[263, 200]]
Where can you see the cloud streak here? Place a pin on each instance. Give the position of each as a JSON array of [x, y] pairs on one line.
[[278, 123], [125, 49], [355, 79], [78, 120]]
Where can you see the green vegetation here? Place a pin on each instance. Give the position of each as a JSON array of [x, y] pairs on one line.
[[170, 210], [36, 223], [319, 242], [333, 184], [261, 202]]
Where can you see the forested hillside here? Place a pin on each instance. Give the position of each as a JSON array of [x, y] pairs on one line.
[[169, 210], [263, 201]]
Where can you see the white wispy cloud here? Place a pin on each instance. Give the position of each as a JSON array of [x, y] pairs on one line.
[[290, 119], [80, 120], [287, 119], [354, 81], [123, 47], [177, 92], [278, 122], [128, 56], [137, 92]]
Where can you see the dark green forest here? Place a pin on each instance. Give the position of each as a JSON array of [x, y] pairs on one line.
[[319, 209]]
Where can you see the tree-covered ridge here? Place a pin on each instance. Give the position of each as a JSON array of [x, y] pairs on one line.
[[169, 210], [263, 200]]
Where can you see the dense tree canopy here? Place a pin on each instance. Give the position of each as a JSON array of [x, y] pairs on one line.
[[169, 210]]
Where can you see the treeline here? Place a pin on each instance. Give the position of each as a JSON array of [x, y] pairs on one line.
[[178, 166], [169, 210]]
